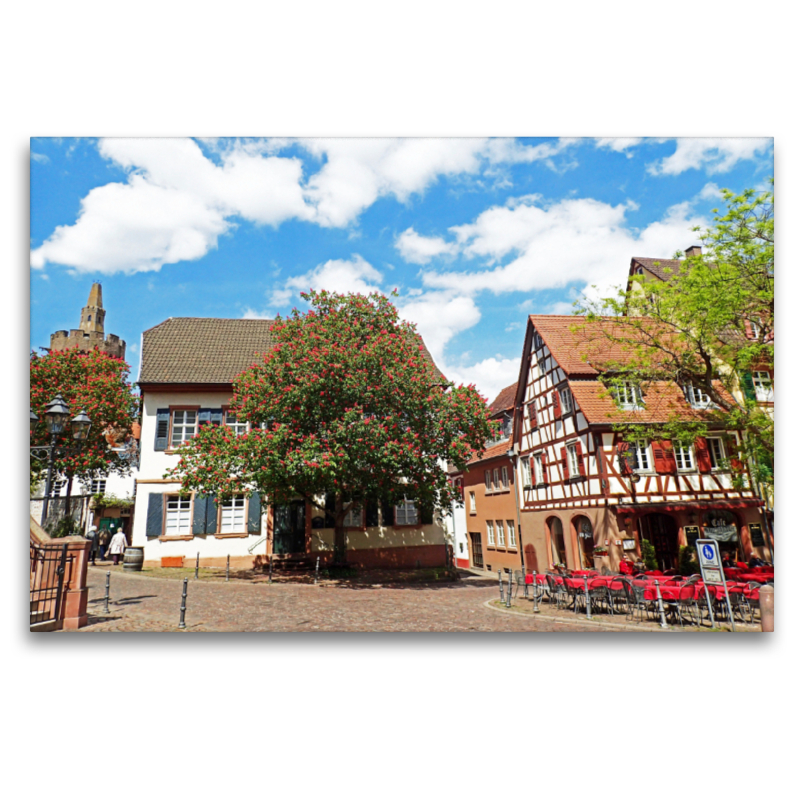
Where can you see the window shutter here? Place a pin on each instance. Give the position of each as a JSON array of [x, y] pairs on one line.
[[199, 515], [211, 514], [155, 515], [748, 387], [544, 467], [254, 513], [658, 457], [162, 429], [622, 452], [387, 510], [203, 417], [426, 515], [556, 405], [581, 462], [564, 463], [701, 454], [532, 415], [669, 457], [371, 513], [216, 416]]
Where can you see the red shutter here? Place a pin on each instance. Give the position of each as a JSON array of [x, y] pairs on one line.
[[556, 405], [669, 457], [658, 457], [532, 415], [564, 464], [701, 454], [622, 450], [579, 454], [544, 467]]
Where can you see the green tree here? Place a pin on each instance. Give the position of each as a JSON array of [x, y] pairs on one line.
[[348, 403], [96, 383], [708, 326]]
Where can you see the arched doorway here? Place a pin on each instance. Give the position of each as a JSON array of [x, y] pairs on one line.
[[661, 531], [585, 535], [558, 547]]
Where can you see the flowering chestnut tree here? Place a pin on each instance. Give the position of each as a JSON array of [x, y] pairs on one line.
[[346, 403], [96, 383]]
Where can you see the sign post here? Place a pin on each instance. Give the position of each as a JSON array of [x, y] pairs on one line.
[[713, 574]]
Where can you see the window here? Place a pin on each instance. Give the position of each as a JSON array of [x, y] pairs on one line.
[[57, 487], [641, 456], [505, 430], [683, 456], [716, 452], [697, 398], [238, 427], [501, 534], [490, 532], [538, 468], [566, 400], [505, 477], [184, 426], [572, 454], [98, 486], [472, 508], [487, 477], [512, 534], [526, 472], [232, 515], [496, 475], [762, 381], [354, 518], [406, 513], [628, 395], [178, 521]]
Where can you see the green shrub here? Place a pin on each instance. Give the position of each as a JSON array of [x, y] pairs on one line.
[[649, 555], [687, 564]]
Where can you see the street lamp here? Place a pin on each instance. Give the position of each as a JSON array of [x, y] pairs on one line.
[[56, 418]]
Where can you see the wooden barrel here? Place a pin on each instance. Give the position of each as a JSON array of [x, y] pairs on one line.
[[134, 558]]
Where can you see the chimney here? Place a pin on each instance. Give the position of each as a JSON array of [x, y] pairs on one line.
[[694, 250]]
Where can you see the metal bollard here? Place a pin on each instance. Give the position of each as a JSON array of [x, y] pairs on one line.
[[508, 597], [535, 594], [710, 605], [108, 591], [270, 569], [197, 566], [182, 623], [766, 602], [586, 596], [228, 568], [316, 572], [663, 622], [500, 581]]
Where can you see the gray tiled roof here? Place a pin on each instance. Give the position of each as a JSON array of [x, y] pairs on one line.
[[208, 350]]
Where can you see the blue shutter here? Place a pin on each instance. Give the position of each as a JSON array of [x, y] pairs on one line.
[[254, 513], [155, 515], [387, 509], [199, 515], [162, 429], [426, 515], [203, 417], [211, 514], [371, 513], [216, 416], [748, 387]]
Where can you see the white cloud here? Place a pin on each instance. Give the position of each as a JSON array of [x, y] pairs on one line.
[[490, 376], [39, 158], [418, 249], [710, 192], [572, 241], [250, 313], [619, 144], [337, 275], [713, 155]]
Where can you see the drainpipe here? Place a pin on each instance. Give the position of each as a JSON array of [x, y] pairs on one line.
[[514, 456]]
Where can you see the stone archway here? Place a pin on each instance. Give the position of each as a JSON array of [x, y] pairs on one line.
[[558, 544], [661, 530], [584, 533]]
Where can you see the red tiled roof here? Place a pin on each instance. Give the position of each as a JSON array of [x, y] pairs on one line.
[[663, 400], [495, 450], [659, 266], [586, 349], [504, 400]]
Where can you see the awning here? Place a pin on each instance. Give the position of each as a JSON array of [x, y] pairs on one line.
[[691, 505]]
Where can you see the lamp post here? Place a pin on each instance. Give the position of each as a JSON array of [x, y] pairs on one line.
[[57, 420]]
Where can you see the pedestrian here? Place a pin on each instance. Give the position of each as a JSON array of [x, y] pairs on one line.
[[118, 545], [104, 537], [91, 535]]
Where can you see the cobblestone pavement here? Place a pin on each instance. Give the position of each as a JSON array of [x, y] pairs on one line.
[[139, 603]]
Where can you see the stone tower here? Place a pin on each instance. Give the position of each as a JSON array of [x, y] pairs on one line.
[[91, 331]]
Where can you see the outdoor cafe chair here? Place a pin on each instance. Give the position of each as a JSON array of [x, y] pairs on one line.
[[557, 591], [519, 580], [578, 596], [617, 594], [636, 601], [599, 594], [687, 599], [752, 601]]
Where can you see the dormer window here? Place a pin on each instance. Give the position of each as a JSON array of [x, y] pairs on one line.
[[697, 398], [628, 396]]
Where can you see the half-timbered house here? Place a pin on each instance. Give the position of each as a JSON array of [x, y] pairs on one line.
[[587, 498]]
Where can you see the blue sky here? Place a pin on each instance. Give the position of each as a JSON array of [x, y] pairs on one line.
[[474, 233]]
